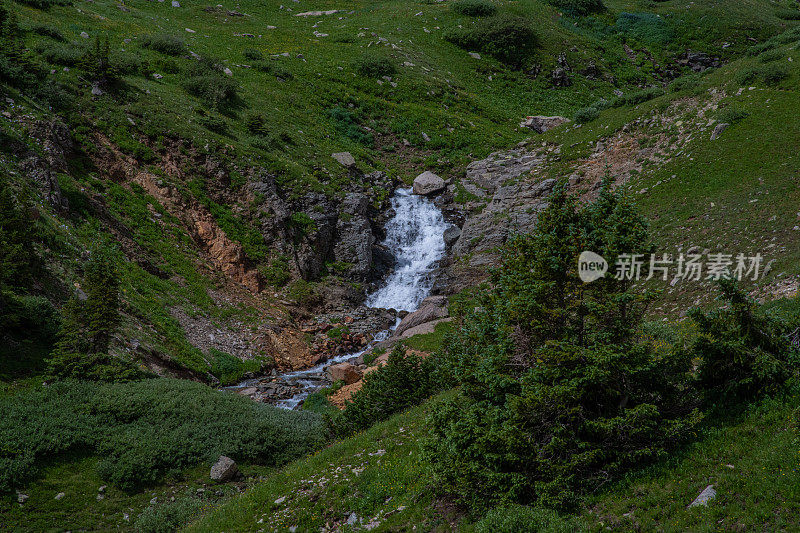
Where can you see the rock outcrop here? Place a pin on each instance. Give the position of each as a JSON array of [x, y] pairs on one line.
[[428, 183], [431, 308], [354, 238], [344, 372], [506, 198], [541, 124]]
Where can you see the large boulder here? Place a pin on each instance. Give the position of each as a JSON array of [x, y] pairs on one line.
[[428, 183], [224, 469], [345, 159], [344, 372], [541, 124], [423, 329], [432, 308], [451, 235]]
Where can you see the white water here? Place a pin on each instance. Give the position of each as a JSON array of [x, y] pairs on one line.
[[415, 236]]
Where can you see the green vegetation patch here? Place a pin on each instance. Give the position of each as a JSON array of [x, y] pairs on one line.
[[145, 430]]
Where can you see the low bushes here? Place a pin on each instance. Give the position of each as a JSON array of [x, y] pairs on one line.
[[637, 97], [586, 114], [578, 7], [205, 80], [771, 75], [405, 380], [474, 8], [742, 349], [164, 43], [144, 430], [371, 66], [647, 27], [508, 38]]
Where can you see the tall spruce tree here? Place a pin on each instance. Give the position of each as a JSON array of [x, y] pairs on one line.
[[559, 395]]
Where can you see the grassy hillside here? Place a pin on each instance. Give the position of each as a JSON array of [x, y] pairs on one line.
[[749, 457]]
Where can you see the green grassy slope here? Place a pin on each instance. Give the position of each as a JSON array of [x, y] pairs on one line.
[[751, 458]]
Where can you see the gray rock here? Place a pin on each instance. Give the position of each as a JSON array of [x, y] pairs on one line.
[[317, 13], [354, 238], [428, 183], [227, 71], [718, 129], [175, 3], [427, 327], [60, 495], [474, 55], [345, 159], [432, 308], [224, 469], [84, 35], [451, 235], [541, 124], [560, 78], [96, 90], [706, 496]]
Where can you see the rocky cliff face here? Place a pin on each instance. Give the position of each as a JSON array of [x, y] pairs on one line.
[[503, 195]]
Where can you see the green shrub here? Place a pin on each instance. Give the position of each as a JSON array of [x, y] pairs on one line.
[[372, 66], [578, 7], [169, 516], [405, 380], [508, 38], [731, 115], [685, 82], [47, 30], [62, 54], [743, 350], [521, 519], [474, 8], [144, 430], [45, 4], [255, 122], [647, 27], [747, 75], [303, 223], [586, 114], [758, 49], [559, 395], [769, 57], [774, 74], [788, 14], [230, 370], [637, 97], [214, 123], [126, 64], [771, 75], [277, 273], [164, 43], [92, 367], [205, 80], [346, 123], [304, 293], [252, 54]]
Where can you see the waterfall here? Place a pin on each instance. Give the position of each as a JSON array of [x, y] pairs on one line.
[[415, 236]]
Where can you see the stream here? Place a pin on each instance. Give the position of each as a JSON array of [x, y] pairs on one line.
[[415, 235]]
